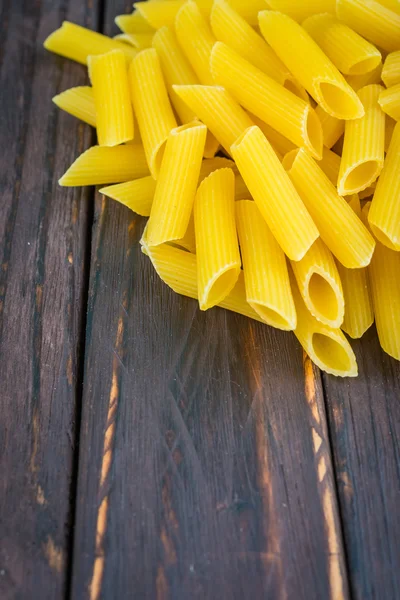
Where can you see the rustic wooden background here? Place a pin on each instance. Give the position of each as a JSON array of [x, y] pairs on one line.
[[147, 450]]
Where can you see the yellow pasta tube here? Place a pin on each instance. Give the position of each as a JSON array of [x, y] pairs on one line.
[[137, 40], [390, 124], [77, 43], [330, 164], [152, 106], [178, 270], [188, 241], [176, 69], [241, 189], [391, 69], [265, 270], [348, 51], [384, 216], [248, 10], [364, 145], [217, 109], [369, 191], [176, 185], [196, 40], [311, 67], [133, 23], [101, 165], [332, 128], [137, 195], [114, 115], [389, 101], [159, 14], [359, 81], [300, 10], [275, 195], [213, 164], [391, 4], [264, 97], [328, 348], [340, 228], [374, 22], [217, 248], [229, 27], [385, 289], [319, 284], [78, 102], [359, 313]]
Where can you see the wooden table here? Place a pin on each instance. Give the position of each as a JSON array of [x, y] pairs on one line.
[[148, 450]]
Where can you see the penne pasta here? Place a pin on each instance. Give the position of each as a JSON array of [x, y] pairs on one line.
[[275, 195], [213, 164], [300, 10], [241, 189], [133, 23], [389, 101], [217, 109], [348, 51], [78, 102], [176, 69], [159, 14], [77, 43], [265, 270], [178, 270], [264, 97], [137, 195], [364, 145], [328, 348], [369, 191], [196, 40], [217, 249], [114, 115], [177, 183], [384, 216], [152, 106], [359, 313], [391, 4], [385, 290], [248, 10], [137, 40], [310, 66], [340, 228], [319, 284], [330, 164], [229, 27], [391, 69], [373, 21], [359, 81], [332, 128], [101, 165]]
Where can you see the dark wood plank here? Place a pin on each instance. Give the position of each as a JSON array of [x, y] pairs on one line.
[[364, 417], [42, 288]]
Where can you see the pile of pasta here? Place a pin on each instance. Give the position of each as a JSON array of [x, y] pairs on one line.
[[260, 139]]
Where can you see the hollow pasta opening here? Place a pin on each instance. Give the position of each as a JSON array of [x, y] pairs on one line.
[[331, 353], [220, 288], [383, 238], [340, 103], [272, 317], [289, 159], [365, 66], [360, 177], [323, 298], [314, 136]]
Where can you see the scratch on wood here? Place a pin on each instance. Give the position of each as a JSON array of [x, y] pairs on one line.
[[108, 447], [161, 584], [40, 497], [54, 555], [35, 439], [335, 552], [70, 258], [70, 374]]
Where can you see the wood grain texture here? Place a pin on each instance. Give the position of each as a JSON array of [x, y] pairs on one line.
[[364, 417], [42, 276]]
